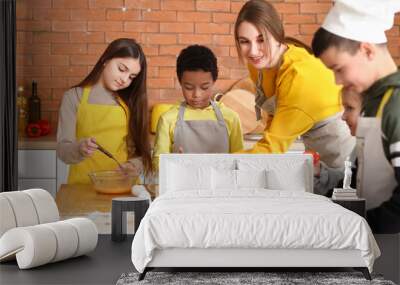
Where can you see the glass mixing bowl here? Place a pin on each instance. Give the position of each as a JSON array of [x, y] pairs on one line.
[[112, 181]]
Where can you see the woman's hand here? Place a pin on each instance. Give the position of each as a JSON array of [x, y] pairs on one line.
[[130, 168], [87, 147]]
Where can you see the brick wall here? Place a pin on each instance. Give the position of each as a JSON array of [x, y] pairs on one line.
[[58, 41]]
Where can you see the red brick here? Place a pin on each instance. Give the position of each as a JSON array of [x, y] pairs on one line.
[[69, 71], [50, 14], [168, 72], [105, 26], [119, 15], [33, 49], [58, 93], [176, 28], [96, 49], [236, 6], [308, 29], [212, 28], [83, 59], [213, 6], [39, 3], [171, 95], [50, 60], [195, 17], [23, 11], [152, 71], [315, 7], [224, 17], [193, 38], [106, 3], [50, 105], [49, 37], [86, 37], [30, 26], [34, 71], [220, 50], [177, 5], [150, 50], [306, 39], [224, 40], [153, 95], [73, 4], [24, 59], [72, 81], [228, 62], [143, 27], [171, 49], [159, 16], [223, 72], [291, 29], [233, 52], [69, 26], [320, 18], [24, 37], [110, 36], [143, 4], [161, 82], [162, 39], [88, 15], [51, 82], [161, 60], [287, 8], [69, 49], [299, 19]]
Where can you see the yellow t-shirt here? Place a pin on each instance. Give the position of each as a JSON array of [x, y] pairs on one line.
[[166, 126], [306, 94]]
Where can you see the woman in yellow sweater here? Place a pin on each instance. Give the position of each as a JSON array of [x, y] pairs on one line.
[[293, 87], [198, 124]]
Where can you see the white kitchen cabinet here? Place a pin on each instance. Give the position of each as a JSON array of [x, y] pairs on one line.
[[40, 168], [47, 184]]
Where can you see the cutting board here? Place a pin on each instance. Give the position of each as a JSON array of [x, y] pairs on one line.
[[242, 102]]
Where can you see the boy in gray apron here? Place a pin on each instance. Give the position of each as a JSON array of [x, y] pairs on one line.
[[197, 125], [355, 49]]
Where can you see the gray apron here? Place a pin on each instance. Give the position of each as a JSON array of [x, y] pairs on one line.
[[331, 137], [201, 136], [376, 180]]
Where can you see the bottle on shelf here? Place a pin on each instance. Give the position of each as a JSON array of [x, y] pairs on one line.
[[22, 108], [34, 104]]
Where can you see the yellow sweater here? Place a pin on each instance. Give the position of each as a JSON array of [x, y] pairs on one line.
[[306, 94], [166, 126]]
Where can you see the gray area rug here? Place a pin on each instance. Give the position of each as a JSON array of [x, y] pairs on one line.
[[231, 278]]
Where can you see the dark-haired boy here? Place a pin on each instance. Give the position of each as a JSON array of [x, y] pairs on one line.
[[198, 124], [352, 43]]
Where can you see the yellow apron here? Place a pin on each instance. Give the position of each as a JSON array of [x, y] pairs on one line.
[[108, 124]]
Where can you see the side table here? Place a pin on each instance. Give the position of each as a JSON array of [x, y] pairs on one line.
[[122, 205], [356, 205]]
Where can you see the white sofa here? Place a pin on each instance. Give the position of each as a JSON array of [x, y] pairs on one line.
[[31, 233]]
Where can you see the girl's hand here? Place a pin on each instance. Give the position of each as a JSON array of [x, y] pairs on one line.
[[87, 147], [130, 169]]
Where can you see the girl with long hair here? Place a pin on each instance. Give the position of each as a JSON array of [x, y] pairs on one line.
[[108, 108]]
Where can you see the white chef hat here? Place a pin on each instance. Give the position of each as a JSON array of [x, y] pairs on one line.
[[362, 20]]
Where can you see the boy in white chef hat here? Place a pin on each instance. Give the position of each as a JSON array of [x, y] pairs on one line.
[[352, 42]]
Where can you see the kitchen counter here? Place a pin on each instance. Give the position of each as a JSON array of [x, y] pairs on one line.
[[44, 142], [80, 200]]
